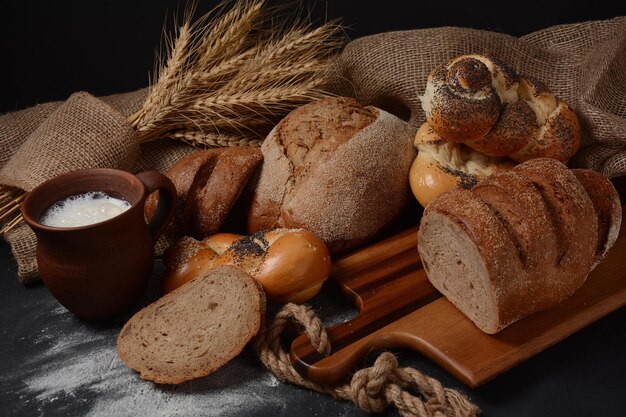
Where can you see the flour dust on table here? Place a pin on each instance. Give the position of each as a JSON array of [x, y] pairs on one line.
[[79, 373]]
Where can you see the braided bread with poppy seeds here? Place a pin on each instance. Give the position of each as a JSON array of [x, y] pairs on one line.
[[480, 101]]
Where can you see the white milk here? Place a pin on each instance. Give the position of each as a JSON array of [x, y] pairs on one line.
[[83, 209]]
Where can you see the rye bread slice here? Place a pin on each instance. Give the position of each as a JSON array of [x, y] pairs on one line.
[[217, 187], [194, 330]]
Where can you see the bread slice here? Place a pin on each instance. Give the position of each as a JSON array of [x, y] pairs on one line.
[[183, 174], [468, 256], [608, 209], [194, 330]]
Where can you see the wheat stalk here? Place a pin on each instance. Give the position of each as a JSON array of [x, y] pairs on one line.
[[231, 81], [10, 202], [212, 140], [226, 80]]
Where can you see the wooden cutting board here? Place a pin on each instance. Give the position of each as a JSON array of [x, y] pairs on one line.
[[398, 308]]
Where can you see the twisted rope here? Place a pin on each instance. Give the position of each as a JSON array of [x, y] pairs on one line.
[[373, 389]]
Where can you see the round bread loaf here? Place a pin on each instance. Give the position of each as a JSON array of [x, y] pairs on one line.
[[336, 168]]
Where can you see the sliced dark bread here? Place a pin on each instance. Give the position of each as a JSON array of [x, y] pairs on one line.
[[194, 330], [481, 248], [217, 187], [608, 209]]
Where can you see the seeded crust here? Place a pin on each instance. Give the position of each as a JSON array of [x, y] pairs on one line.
[[481, 102], [336, 168], [535, 231], [571, 209], [194, 330], [608, 209], [521, 209]]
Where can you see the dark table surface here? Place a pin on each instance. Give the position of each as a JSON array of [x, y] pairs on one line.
[[52, 364]]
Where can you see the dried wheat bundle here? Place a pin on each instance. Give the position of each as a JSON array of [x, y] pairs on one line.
[[228, 83], [226, 80]]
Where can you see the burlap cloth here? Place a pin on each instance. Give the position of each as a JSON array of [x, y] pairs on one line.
[[584, 63]]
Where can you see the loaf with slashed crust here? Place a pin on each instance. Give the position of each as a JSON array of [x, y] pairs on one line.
[[519, 242], [336, 168], [194, 330]]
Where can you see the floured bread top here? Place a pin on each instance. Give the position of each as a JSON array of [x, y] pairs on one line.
[[311, 133], [336, 168]]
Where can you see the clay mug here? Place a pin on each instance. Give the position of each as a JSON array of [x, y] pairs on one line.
[[99, 271]]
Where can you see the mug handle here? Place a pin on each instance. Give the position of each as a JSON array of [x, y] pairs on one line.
[[154, 181]]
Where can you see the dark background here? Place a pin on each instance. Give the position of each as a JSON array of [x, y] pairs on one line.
[[51, 48], [48, 49]]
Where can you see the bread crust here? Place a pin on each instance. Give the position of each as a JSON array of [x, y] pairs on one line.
[[536, 223], [216, 187], [607, 206], [336, 168], [183, 174]]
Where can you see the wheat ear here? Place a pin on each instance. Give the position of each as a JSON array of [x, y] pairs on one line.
[[238, 77]]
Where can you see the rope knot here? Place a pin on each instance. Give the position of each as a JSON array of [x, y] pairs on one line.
[[369, 385], [372, 389]]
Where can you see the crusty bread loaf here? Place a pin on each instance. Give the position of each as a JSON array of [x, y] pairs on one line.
[[519, 242], [194, 330], [208, 184], [336, 168]]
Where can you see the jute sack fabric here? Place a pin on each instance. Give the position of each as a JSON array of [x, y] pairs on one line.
[[584, 63], [83, 132]]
